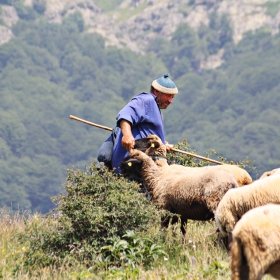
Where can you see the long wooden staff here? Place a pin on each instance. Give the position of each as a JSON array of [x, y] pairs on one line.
[[171, 148], [90, 123]]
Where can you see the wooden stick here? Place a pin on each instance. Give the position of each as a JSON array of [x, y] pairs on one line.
[[172, 149], [90, 123], [194, 155]]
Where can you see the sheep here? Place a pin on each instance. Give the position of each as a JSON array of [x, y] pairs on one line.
[[192, 195], [236, 202], [269, 173], [153, 146], [255, 249]]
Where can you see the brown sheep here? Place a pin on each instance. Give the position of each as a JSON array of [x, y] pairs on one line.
[[153, 146], [193, 195]]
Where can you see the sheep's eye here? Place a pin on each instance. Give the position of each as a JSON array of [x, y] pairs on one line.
[[129, 163], [152, 145]]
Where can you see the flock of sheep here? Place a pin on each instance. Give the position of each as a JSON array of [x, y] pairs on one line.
[[245, 212]]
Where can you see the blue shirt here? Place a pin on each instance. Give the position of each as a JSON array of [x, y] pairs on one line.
[[143, 113]]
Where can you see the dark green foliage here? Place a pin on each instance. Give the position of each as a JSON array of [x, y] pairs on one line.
[[92, 198], [39, 6], [24, 12], [188, 48], [213, 107], [48, 72], [74, 22], [272, 8], [96, 211]]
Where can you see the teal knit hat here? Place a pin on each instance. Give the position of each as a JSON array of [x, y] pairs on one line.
[[165, 85]]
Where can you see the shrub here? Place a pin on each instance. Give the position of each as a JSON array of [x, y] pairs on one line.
[[132, 250], [98, 207]]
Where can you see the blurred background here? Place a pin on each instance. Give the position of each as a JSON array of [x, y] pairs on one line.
[[88, 58]]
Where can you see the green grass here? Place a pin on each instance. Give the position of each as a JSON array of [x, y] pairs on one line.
[[108, 5]]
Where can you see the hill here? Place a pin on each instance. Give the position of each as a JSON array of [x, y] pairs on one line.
[[55, 66]]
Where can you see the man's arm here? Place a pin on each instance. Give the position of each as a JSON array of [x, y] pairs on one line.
[[128, 140]]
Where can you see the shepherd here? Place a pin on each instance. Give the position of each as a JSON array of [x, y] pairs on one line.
[[138, 119]]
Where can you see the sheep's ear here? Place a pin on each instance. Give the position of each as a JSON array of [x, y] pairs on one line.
[[155, 144], [130, 163], [130, 166], [142, 144], [133, 161]]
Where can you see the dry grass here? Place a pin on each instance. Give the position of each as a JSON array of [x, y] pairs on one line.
[[199, 256]]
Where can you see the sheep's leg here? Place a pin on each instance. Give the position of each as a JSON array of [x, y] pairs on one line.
[[239, 267], [173, 220], [169, 220], [229, 242], [274, 270], [183, 226], [225, 241], [165, 221]]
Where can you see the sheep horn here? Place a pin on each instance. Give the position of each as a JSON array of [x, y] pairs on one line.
[[170, 146]]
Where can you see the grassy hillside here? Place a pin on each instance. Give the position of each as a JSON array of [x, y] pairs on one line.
[[105, 229]]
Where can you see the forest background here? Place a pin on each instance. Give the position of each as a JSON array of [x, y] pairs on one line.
[[50, 70]]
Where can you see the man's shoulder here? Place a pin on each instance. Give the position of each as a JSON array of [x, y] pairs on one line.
[[145, 96]]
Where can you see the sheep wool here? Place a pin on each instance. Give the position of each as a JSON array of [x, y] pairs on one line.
[[153, 146], [236, 202], [255, 249], [269, 173], [192, 195]]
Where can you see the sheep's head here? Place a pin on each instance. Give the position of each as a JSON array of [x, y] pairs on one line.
[[269, 173], [151, 145], [132, 164], [131, 167]]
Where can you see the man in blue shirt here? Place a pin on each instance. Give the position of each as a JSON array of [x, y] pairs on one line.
[[142, 117]]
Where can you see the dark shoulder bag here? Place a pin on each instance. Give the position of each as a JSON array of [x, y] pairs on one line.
[[106, 150]]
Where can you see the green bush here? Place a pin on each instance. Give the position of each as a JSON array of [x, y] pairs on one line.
[[132, 250], [98, 209]]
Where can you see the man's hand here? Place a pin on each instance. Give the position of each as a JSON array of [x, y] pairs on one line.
[[128, 140], [168, 146]]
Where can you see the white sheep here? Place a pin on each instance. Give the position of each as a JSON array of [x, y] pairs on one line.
[[153, 146], [255, 249], [269, 173], [237, 202], [193, 195]]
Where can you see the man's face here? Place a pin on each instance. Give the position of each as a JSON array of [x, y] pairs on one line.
[[163, 99]]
